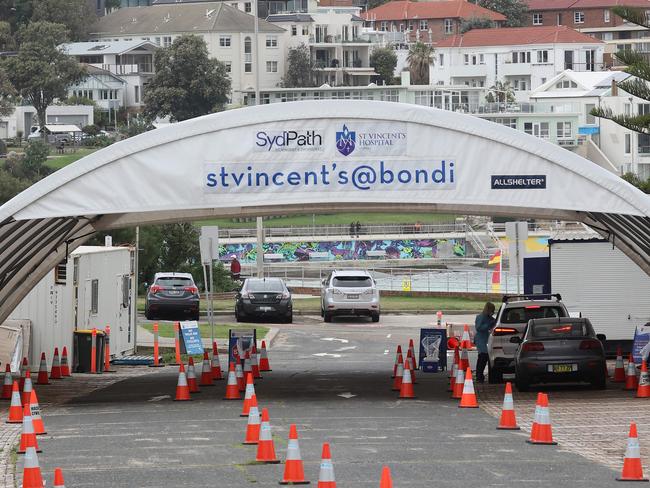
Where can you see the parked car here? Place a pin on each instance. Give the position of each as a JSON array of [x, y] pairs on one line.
[[349, 292], [559, 350], [172, 295], [511, 320], [264, 297]]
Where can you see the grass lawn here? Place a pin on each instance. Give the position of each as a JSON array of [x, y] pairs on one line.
[[392, 303], [56, 161], [335, 219], [220, 330]]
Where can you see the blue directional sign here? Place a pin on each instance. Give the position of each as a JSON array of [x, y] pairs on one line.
[[191, 337]]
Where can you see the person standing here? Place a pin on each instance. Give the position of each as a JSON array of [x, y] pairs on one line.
[[358, 227], [483, 324], [235, 268]]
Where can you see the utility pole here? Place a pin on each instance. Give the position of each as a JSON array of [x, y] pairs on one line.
[[256, 53], [260, 247]]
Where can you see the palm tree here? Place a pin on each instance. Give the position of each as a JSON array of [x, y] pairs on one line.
[[500, 92], [420, 57]]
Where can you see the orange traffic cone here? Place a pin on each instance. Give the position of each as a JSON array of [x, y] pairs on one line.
[[65, 366], [8, 382], [16, 408], [37, 420], [28, 437], [239, 374], [619, 370], [23, 372], [406, 388], [632, 468], [465, 341], [250, 393], [42, 372], [264, 358], [27, 389], [643, 391], [326, 474], [397, 355], [253, 426], [58, 478], [542, 431], [397, 383], [463, 362], [265, 446], [294, 471], [206, 371], [468, 397], [508, 420], [386, 480], [32, 477], [459, 384], [215, 364], [411, 362], [182, 388], [453, 370], [631, 382], [55, 373], [191, 377], [232, 388], [255, 363]]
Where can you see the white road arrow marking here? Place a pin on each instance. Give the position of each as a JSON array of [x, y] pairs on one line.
[[159, 398], [385, 351], [346, 348], [389, 336], [330, 339], [323, 354], [347, 395]]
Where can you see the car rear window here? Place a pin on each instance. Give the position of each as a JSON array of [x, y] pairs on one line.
[[262, 286], [560, 330], [352, 281], [521, 315], [174, 282]]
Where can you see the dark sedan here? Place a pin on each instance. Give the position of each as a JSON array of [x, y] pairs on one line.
[[559, 350], [262, 298]]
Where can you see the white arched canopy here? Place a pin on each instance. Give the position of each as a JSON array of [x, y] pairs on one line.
[[306, 157]]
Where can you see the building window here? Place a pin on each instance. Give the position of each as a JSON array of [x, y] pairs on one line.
[[271, 41], [61, 272], [137, 94], [481, 58], [449, 26], [628, 143], [564, 130], [94, 296], [228, 65], [578, 17], [590, 119], [441, 59], [512, 123], [521, 56], [537, 129], [248, 7], [643, 143], [383, 26], [167, 41], [157, 41], [224, 41], [424, 24], [606, 16], [564, 84], [466, 59], [248, 55], [271, 66], [643, 108], [294, 30], [305, 30], [537, 19], [542, 56]]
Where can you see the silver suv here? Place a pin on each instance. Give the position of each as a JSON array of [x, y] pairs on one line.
[[349, 292], [512, 318]]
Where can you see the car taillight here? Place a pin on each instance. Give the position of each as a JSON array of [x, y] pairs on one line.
[[501, 331], [336, 291], [532, 347], [367, 291], [590, 344], [192, 289], [155, 288], [533, 307]]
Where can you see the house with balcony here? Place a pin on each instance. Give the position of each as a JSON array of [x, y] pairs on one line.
[[523, 57], [118, 71], [227, 30]]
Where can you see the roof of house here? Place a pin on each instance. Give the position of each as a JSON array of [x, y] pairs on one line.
[[179, 18], [576, 4], [435, 9], [94, 70], [515, 36], [589, 84], [100, 48], [290, 18]]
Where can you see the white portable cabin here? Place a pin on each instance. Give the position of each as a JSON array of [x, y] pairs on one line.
[[94, 288], [601, 283]]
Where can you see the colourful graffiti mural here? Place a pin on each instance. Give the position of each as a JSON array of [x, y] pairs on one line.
[[349, 250]]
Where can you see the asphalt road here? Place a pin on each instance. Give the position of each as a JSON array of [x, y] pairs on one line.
[[132, 435]]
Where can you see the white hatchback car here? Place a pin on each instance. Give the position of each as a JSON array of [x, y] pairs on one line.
[[350, 292]]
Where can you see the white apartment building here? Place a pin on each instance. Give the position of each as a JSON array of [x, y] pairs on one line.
[[526, 57], [118, 71], [227, 31]]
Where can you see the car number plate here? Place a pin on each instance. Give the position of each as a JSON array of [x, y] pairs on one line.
[[352, 297], [174, 292], [266, 309], [563, 368]]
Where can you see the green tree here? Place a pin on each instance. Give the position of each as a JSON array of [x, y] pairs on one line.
[[500, 92], [515, 11], [7, 41], [188, 83], [634, 179], [74, 14], [10, 185], [476, 23], [419, 59], [299, 68], [36, 154], [41, 72], [7, 94], [384, 60]]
